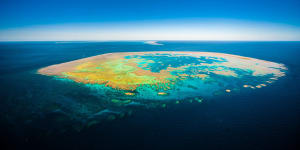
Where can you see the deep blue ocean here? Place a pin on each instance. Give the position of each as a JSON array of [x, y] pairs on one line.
[[263, 119]]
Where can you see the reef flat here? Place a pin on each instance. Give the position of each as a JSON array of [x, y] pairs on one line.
[[125, 82], [169, 75]]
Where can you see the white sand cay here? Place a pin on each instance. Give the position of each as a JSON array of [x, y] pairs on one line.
[[153, 43]]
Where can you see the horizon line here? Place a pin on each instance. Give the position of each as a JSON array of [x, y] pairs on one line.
[[146, 40]]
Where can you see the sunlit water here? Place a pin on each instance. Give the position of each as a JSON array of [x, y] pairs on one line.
[[41, 109]]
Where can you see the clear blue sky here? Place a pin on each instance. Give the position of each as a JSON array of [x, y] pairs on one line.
[[36, 19]]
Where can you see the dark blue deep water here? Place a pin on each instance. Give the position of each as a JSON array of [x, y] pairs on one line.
[[267, 118]]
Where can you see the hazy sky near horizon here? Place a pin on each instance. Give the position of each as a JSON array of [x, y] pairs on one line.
[[61, 20]]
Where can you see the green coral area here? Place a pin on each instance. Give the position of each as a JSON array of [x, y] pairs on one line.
[[127, 83]]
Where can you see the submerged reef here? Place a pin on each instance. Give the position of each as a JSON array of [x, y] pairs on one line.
[[154, 79]]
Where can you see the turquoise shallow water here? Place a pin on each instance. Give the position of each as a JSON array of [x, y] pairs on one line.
[[37, 110]]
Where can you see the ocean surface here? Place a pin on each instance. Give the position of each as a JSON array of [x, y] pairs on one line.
[[31, 104]]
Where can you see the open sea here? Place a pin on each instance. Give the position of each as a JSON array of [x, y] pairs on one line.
[[263, 119]]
